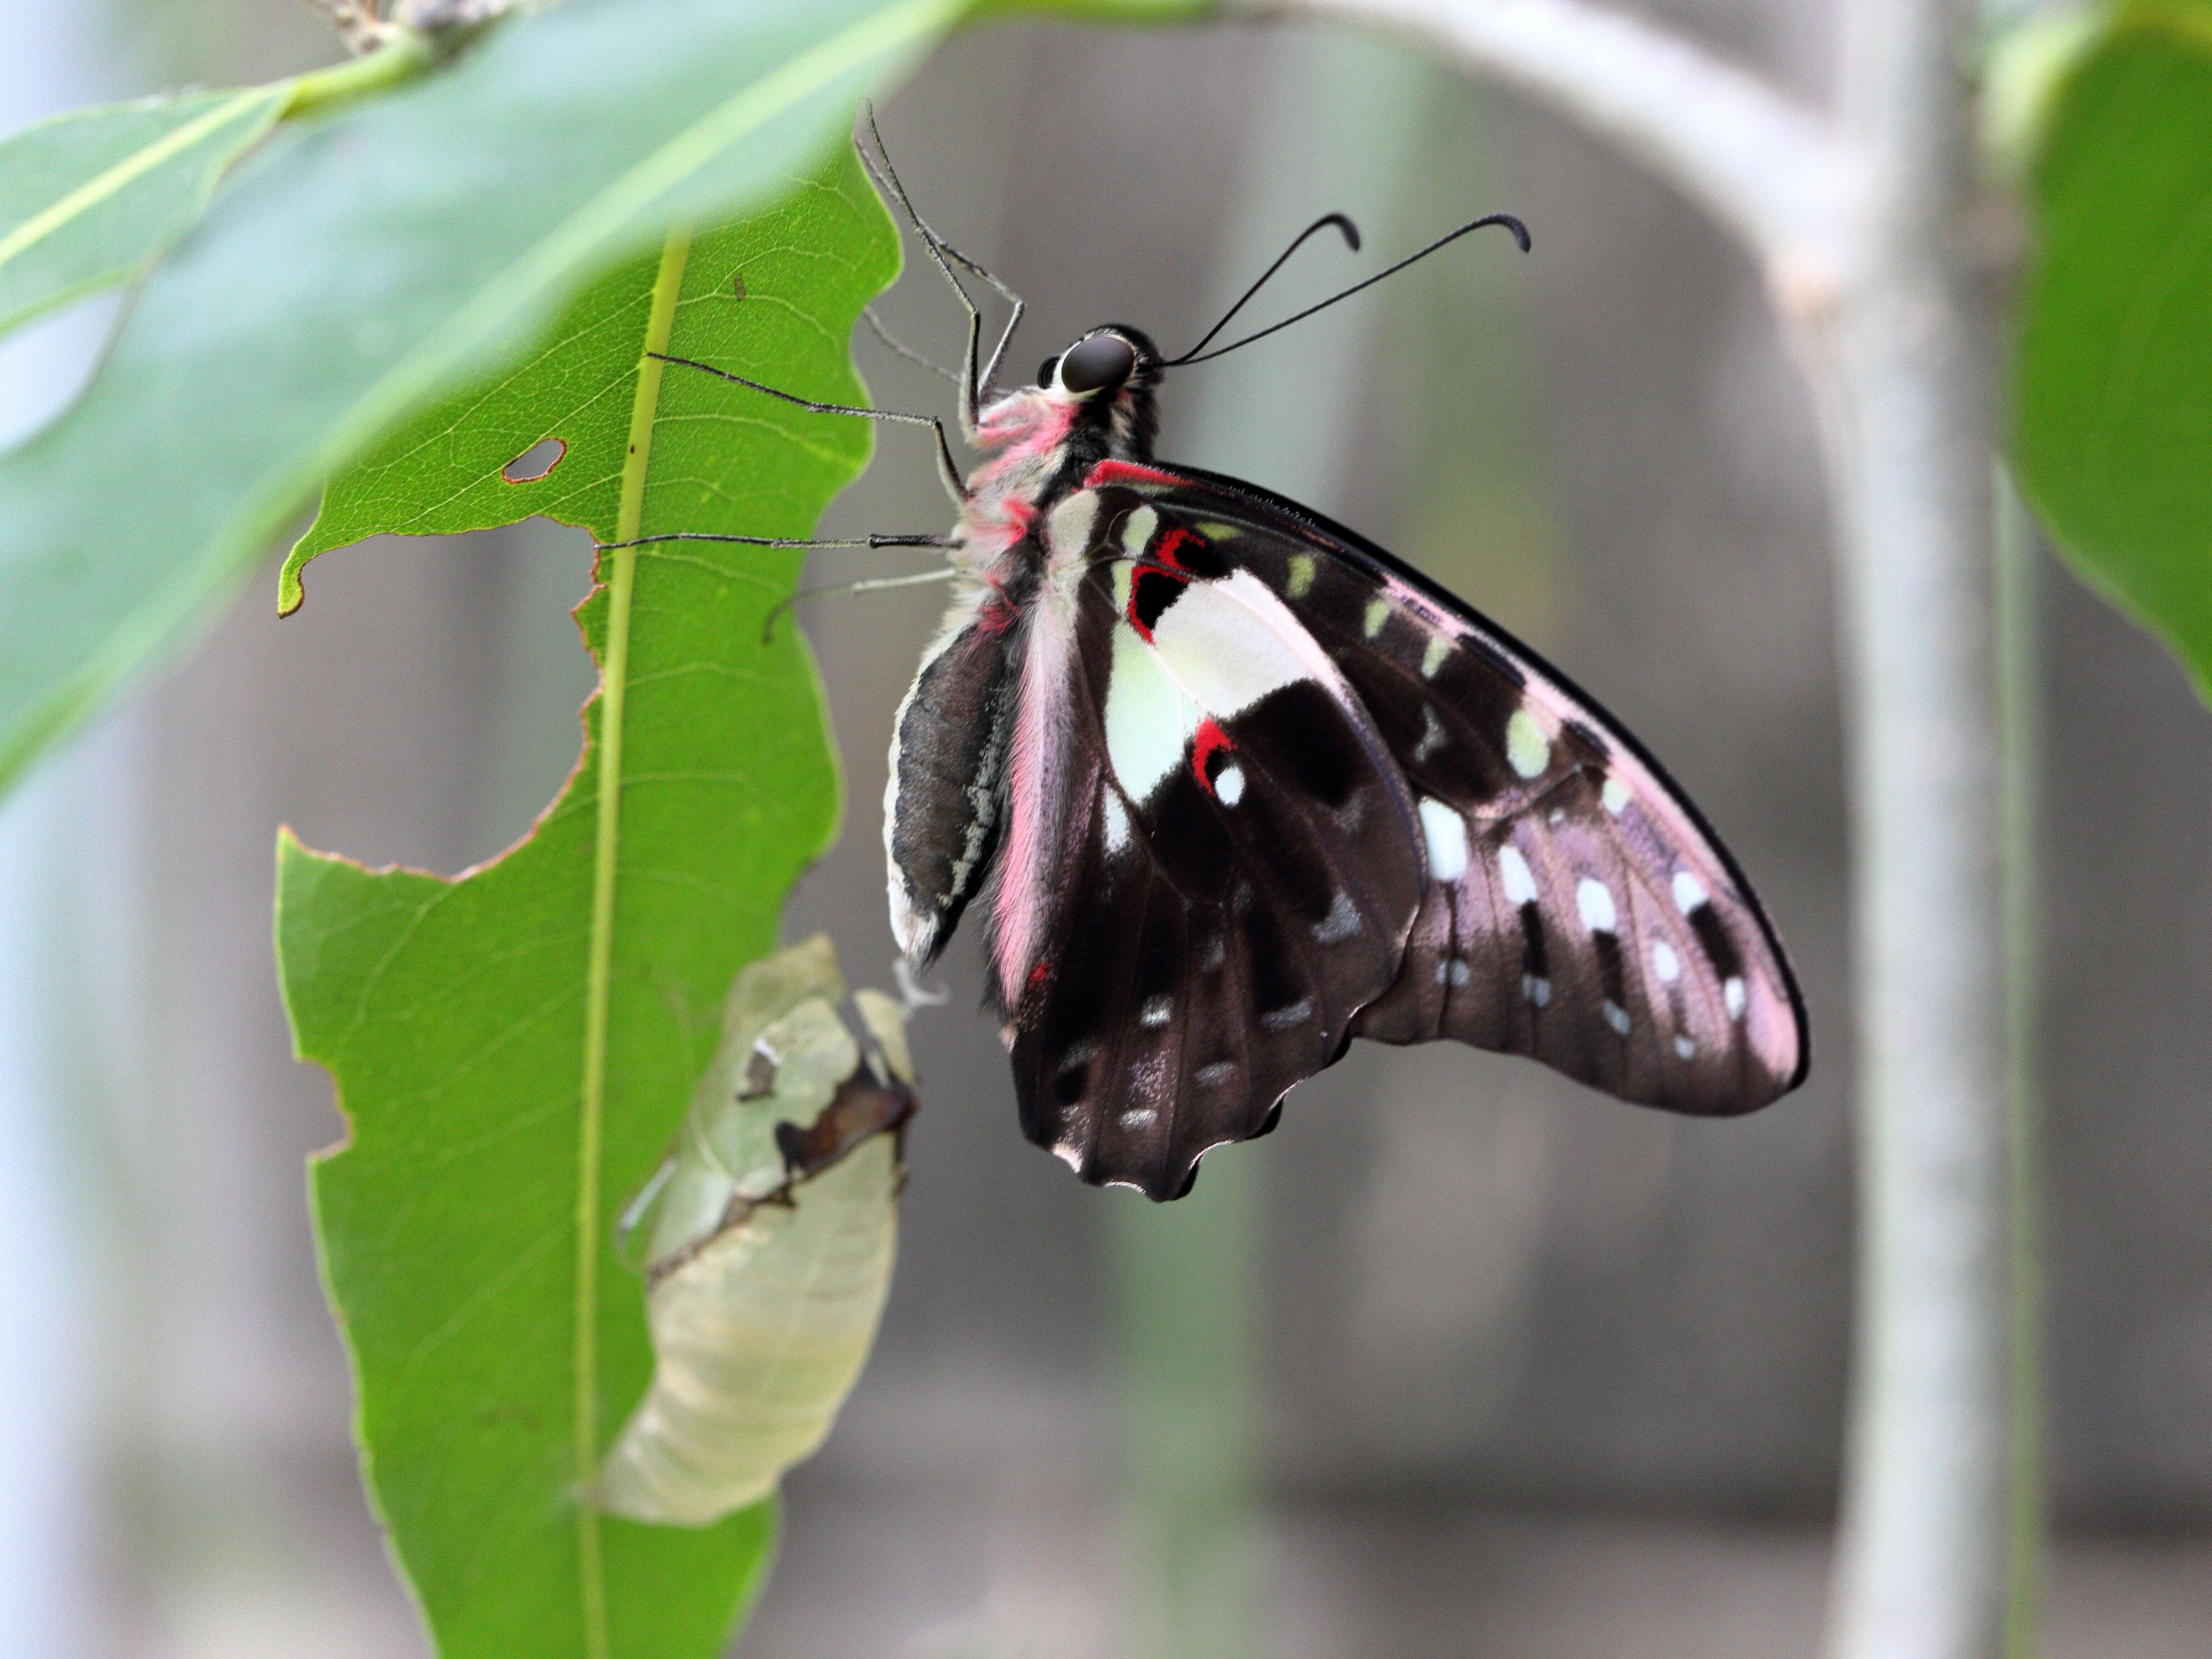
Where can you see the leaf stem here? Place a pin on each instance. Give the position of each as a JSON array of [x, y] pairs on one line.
[[620, 579], [399, 60]]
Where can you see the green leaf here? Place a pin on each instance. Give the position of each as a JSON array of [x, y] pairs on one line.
[[92, 198], [513, 1048], [2114, 424], [363, 267]]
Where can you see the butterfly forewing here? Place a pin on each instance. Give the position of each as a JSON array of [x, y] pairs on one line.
[[1577, 911]]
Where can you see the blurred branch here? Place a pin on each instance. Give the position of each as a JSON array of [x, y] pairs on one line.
[[1859, 220], [367, 25], [1767, 167], [1905, 367]]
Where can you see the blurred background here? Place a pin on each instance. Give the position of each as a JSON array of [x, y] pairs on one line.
[[1465, 1360]]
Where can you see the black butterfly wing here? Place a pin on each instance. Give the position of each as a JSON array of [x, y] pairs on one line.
[[1577, 908], [1212, 861]]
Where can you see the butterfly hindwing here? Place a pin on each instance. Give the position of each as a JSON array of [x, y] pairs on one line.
[[1578, 910], [1237, 868]]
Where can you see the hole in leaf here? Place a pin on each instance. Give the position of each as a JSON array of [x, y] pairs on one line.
[[535, 461]]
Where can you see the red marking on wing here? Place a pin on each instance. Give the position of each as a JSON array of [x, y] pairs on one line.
[[1129, 472], [1134, 620], [1162, 565], [1211, 739], [1166, 553], [1041, 973]]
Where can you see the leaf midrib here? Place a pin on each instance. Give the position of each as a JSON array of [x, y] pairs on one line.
[[622, 578], [97, 189]]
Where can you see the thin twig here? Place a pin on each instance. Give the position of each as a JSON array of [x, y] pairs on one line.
[[1771, 168]]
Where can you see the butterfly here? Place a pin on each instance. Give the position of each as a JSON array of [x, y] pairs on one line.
[[1232, 785]]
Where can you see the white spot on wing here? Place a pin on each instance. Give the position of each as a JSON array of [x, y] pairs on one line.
[[1378, 612], [1595, 900], [1286, 1019], [1685, 1047], [1663, 959], [1689, 891], [1227, 643], [1137, 530], [1302, 574], [1432, 734], [1216, 1074], [1229, 786], [1538, 991], [1520, 886], [1117, 822], [1732, 994], [1139, 1117], [1615, 795], [1616, 1016], [1527, 749], [1460, 971], [1445, 831], [1433, 655], [1070, 1153], [1156, 1012], [1342, 922]]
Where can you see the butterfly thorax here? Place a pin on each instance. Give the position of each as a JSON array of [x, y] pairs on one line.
[[1040, 443]]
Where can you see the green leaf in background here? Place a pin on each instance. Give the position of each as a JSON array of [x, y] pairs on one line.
[[2113, 376], [92, 198], [513, 1048], [360, 269]]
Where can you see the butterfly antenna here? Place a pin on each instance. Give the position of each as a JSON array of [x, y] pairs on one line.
[[1351, 239], [1520, 235]]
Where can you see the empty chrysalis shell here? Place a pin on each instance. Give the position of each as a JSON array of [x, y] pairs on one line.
[[771, 1234]]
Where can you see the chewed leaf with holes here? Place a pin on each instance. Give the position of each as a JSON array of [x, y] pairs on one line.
[[546, 437], [453, 1014]]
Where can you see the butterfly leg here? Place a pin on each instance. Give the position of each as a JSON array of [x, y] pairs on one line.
[[874, 584], [948, 473], [976, 378], [805, 542], [876, 327]]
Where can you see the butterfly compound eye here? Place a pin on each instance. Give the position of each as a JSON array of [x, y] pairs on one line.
[[1045, 370], [1103, 362]]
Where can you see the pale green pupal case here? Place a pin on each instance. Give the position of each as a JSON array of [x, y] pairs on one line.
[[764, 1282]]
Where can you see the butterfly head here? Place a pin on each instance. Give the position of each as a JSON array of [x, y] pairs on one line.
[[1109, 375]]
